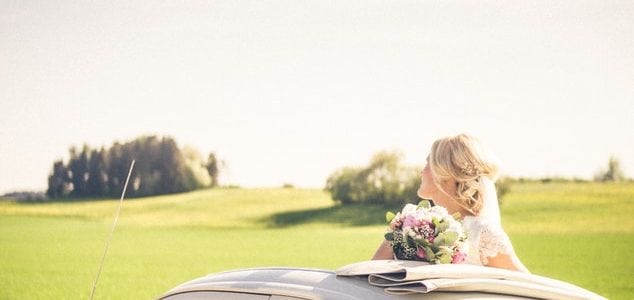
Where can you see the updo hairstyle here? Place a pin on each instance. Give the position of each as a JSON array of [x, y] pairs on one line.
[[461, 158]]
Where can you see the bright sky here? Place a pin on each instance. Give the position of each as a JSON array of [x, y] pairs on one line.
[[289, 91]]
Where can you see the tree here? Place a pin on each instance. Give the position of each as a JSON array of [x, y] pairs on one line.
[[78, 166], [388, 181], [212, 169], [175, 177], [383, 181], [97, 183], [346, 185], [198, 167], [613, 172], [116, 169], [58, 181], [145, 180]]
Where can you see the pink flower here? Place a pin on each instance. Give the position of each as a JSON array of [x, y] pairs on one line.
[[396, 223], [458, 257], [410, 221], [420, 252]]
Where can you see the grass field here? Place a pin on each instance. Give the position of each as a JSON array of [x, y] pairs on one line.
[[578, 232]]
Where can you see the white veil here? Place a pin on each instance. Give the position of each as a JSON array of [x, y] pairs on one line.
[[490, 210]]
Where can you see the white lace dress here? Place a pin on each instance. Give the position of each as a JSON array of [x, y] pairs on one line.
[[486, 239]]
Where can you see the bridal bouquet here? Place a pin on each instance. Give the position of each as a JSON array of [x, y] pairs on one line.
[[427, 233]]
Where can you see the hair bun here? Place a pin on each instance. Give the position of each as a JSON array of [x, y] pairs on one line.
[[470, 192]]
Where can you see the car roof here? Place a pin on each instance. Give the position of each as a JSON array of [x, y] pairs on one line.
[[299, 283]]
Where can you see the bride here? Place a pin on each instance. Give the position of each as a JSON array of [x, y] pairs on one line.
[[459, 176]]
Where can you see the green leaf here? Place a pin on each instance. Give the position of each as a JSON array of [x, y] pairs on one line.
[[450, 237], [424, 204], [389, 216], [434, 221], [440, 239], [429, 254], [444, 258], [442, 226], [444, 255]]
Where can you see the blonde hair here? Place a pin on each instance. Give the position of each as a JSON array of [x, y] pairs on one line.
[[463, 159]]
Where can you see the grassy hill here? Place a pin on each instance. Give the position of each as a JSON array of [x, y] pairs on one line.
[[577, 232]]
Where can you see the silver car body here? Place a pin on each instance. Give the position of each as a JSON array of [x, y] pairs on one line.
[[353, 282]]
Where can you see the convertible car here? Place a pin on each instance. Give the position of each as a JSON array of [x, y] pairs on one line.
[[388, 279]]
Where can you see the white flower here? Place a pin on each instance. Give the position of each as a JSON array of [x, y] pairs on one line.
[[409, 209], [439, 210]]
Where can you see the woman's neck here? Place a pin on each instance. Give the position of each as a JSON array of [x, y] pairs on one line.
[[452, 205]]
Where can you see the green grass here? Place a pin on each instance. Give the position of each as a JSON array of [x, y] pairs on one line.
[[582, 233]]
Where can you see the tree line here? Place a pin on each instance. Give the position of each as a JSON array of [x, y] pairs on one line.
[[161, 168]]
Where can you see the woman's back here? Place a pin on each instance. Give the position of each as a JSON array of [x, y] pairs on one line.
[[486, 239]]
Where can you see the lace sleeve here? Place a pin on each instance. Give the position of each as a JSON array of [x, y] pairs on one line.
[[493, 241]]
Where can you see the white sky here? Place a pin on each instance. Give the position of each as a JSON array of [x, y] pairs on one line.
[[289, 91]]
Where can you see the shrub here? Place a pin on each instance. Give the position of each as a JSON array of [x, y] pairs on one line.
[[503, 187], [383, 181]]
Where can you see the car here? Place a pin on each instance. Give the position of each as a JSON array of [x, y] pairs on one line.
[[387, 279]]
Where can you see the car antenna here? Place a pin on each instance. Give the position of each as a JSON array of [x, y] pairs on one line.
[[114, 223]]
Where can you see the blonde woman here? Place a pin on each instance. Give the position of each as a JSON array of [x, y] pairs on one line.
[[459, 176]]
